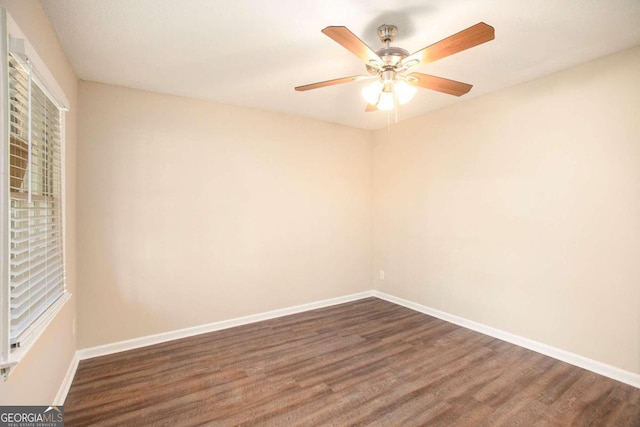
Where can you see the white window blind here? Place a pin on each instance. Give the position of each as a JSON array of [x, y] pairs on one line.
[[36, 265]]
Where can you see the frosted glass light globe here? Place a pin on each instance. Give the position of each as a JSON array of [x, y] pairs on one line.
[[371, 92], [404, 91], [386, 101]]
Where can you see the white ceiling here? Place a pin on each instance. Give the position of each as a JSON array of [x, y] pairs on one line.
[[252, 53]]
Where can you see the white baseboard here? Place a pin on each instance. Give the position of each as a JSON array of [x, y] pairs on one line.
[[565, 356], [67, 380], [134, 343], [618, 374]]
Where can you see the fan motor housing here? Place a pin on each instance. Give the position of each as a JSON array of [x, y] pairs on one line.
[[391, 57]]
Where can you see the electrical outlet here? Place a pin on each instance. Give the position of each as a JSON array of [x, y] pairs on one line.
[[381, 274]]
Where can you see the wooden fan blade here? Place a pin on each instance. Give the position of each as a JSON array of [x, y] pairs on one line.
[[331, 82], [369, 108], [352, 43], [439, 84], [465, 39]]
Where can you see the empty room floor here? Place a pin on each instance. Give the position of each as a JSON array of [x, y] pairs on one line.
[[367, 362]]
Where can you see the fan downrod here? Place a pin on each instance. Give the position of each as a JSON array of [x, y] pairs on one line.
[[391, 56]]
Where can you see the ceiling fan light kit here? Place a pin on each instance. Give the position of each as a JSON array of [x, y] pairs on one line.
[[388, 65], [381, 94]]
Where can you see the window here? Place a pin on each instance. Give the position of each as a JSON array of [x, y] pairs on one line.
[[33, 287]]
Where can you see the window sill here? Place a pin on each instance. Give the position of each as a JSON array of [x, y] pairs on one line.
[[31, 335]]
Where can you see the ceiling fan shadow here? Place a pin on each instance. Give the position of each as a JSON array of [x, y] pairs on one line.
[[399, 18]]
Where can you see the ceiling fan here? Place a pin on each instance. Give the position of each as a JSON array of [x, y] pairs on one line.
[[388, 65]]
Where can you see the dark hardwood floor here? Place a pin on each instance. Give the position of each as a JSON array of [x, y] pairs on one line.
[[368, 362]]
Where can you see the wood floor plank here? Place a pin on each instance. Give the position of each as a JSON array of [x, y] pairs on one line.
[[367, 362]]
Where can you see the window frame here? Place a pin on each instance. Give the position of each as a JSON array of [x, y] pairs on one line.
[[13, 40]]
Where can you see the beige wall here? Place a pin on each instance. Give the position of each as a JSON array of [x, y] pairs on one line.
[[37, 378], [521, 210], [518, 210], [192, 212]]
